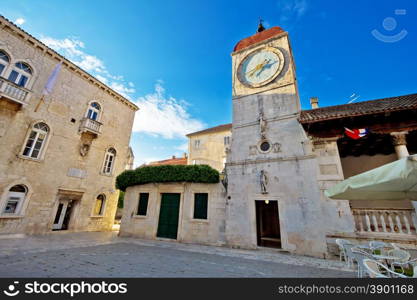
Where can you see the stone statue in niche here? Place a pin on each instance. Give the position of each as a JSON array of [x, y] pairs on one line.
[[84, 148], [262, 125], [263, 182], [85, 143]]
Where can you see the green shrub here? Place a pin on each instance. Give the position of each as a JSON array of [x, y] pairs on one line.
[[160, 174], [120, 202]]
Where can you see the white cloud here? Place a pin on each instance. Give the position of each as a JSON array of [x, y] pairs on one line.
[[145, 160], [121, 88], [292, 9], [164, 116], [73, 49], [19, 21], [182, 147], [102, 79]]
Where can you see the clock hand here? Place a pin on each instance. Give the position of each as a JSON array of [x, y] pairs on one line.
[[266, 62], [257, 68]]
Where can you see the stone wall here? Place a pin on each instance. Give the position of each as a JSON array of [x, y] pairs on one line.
[[353, 165], [336, 213], [212, 150], [61, 167], [290, 169], [209, 232]]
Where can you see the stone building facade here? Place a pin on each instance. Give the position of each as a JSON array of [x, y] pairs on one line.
[[281, 159], [59, 157], [190, 220], [392, 135], [210, 146]]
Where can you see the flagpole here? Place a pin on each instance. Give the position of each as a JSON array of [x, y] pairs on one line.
[[49, 85], [39, 103]]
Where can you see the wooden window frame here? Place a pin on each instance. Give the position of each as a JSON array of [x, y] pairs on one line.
[[105, 168], [44, 144]]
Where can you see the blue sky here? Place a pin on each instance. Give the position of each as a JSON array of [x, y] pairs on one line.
[[173, 57]]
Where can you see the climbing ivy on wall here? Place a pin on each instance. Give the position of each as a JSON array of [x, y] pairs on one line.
[[160, 174]]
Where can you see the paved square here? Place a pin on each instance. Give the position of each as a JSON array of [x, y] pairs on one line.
[[105, 255]]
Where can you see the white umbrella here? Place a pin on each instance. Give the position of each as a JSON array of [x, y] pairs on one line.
[[393, 181]]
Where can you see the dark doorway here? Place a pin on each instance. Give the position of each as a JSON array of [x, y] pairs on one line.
[[168, 216], [267, 224], [63, 215]]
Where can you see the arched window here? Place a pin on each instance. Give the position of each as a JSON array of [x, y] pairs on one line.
[[109, 161], [99, 205], [15, 198], [93, 111], [20, 74], [36, 140], [4, 61]]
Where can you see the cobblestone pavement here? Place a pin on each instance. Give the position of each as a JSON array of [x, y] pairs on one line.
[[106, 255]]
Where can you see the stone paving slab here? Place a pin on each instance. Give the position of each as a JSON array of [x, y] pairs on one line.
[[106, 255]]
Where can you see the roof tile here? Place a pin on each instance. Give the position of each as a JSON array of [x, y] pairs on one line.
[[359, 109], [213, 129], [171, 161], [258, 37]]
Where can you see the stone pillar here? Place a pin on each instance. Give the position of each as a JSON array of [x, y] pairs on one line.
[[400, 144], [414, 214]]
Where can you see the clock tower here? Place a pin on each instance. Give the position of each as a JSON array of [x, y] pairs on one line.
[[273, 196]]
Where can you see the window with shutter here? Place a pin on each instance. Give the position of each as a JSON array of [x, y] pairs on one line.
[[200, 206]]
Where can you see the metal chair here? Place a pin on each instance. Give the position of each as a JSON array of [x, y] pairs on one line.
[[375, 245], [410, 263], [359, 256], [349, 254], [401, 255], [376, 269], [381, 246], [342, 252], [395, 246]]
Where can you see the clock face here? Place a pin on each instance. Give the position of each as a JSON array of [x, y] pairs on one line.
[[261, 67]]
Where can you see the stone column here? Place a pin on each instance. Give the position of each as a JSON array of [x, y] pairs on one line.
[[414, 213], [400, 144]]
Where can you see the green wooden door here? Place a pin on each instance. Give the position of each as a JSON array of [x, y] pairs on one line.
[[168, 216]]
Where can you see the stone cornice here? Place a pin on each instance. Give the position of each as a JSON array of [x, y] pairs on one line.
[[269, 160]]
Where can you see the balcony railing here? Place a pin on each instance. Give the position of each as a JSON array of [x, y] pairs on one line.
[[89, 125], [389, 222], [14, 92]]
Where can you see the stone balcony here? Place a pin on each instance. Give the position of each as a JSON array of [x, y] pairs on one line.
[[91, 126], [387, 223], [13, 92]]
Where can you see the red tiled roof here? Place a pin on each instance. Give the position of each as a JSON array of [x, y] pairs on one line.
[[258, 37], [213, 129], [171, 161], [359, 109]]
